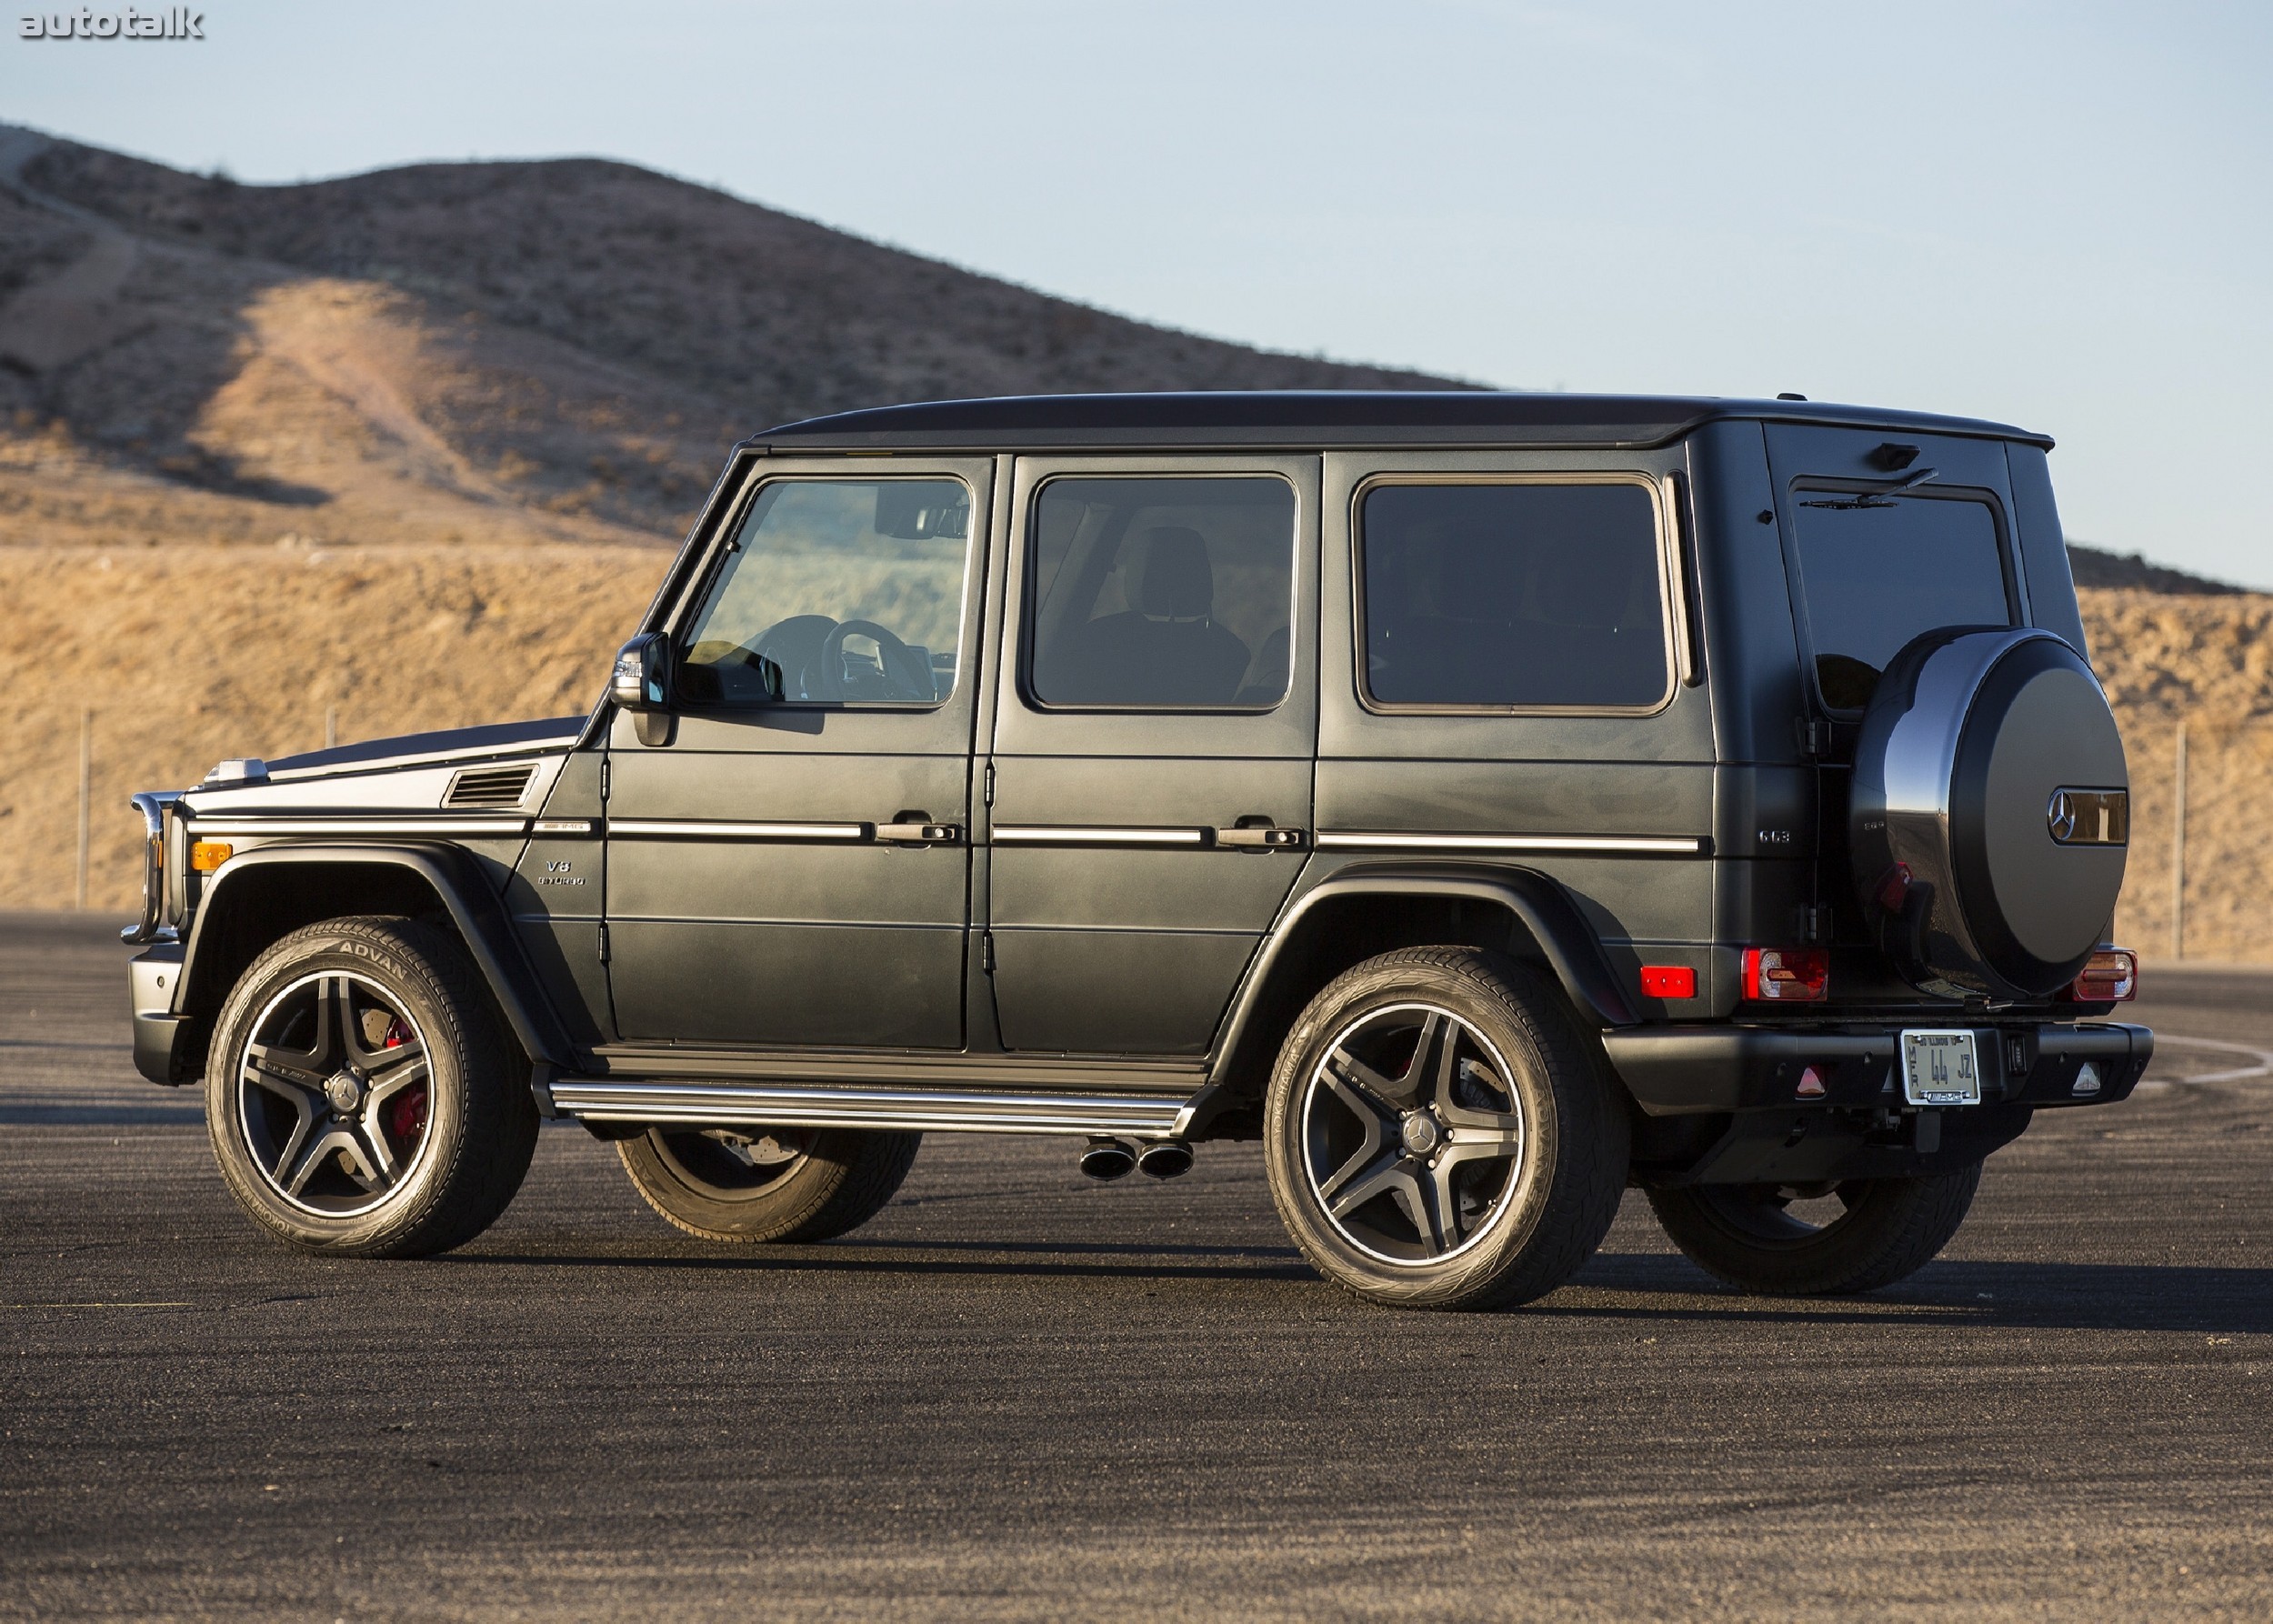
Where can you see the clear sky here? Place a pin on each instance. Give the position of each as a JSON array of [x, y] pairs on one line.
[[2058, 215]]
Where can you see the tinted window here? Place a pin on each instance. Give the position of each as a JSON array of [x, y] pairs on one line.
[[1161, 594], [1513, 594], [1878, 570], [836, 590]]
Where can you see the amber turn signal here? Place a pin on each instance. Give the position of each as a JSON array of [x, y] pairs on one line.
[[205, 856]]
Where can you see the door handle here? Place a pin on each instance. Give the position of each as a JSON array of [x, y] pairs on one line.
[[1262, 839], [916, 831]]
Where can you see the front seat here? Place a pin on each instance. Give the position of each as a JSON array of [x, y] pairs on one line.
[[1168, 650]]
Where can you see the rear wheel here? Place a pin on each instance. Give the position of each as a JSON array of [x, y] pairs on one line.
[[768, 1184], [1440, 1133], [1783, 1241]]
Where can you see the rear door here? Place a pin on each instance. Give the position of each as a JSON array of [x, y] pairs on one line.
[[1152, 739]]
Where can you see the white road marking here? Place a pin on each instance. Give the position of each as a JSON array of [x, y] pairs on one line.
[[2264, 1059]]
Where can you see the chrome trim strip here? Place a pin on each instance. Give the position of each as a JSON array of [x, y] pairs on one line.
[[1035, 834], [242, 824], [1158, 1116], [656, 829], [1683, 846]]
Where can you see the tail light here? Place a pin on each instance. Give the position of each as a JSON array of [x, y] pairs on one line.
[[2110, 976], [1788, 975]]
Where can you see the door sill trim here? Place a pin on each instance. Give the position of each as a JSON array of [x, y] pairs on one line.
[[594, 1099]]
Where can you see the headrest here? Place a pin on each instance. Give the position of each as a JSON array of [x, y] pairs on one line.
[[1179, 583]]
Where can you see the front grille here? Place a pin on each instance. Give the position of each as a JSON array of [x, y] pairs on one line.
[[491, 787]]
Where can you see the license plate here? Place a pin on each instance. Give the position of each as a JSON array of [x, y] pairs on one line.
[[1940, 1068]]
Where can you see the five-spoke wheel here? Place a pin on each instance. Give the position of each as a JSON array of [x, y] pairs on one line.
[[1439, 1133], [331, 1094], [1412, 1134], [360, 1094], [777, 1184]]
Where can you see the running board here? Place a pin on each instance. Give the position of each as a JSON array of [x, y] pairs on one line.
[[735, 1105]]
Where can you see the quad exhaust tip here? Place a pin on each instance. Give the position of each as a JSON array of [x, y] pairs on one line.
[[1167, 1159], [1108, 1159]]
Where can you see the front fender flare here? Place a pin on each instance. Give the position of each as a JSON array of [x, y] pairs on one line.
[[480, 919]]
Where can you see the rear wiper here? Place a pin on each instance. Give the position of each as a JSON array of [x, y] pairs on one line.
[[1876, 495]]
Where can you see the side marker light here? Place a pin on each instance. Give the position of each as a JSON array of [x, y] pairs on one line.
[[1669, 981], [205, 856]]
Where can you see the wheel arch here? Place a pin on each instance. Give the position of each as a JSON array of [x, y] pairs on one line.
[[1359, 914], [255, 900]]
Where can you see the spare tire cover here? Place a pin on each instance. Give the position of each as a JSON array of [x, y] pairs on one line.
[[1991, 815]]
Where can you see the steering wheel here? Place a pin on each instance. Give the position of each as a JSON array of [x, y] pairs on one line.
[[899, 673]]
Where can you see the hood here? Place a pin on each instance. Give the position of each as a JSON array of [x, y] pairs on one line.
[[459, 768]]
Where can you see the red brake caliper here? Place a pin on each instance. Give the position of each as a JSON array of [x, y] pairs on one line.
[[406, 1115]]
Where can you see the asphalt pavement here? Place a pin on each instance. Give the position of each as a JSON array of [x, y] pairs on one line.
[[1017, 1394]]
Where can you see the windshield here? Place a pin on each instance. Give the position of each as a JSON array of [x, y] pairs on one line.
[[1877, 571]]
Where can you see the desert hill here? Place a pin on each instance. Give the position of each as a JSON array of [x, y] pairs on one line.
[[554, 351]]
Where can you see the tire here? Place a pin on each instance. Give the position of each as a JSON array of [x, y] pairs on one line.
[[1745, 1235], [781, 1185], [1441, 1134], [361, 1095]]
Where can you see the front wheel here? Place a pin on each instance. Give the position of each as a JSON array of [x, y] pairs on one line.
[[762, 1184], [1440, 1133], [1784, 1241], [361, 1097]]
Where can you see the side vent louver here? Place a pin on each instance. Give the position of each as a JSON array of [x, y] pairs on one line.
[[490, 788]]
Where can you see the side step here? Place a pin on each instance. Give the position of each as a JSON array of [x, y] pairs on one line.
[[729, 1105]]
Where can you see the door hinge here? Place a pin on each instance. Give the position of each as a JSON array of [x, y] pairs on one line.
[[986, 951], [603, 944], [1815, 736], [989, 786], [607, 764]]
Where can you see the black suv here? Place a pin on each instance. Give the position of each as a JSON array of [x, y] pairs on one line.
[[1489, 801]]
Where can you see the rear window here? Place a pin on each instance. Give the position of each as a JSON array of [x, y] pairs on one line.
[[1511, 596], [1877, 571]]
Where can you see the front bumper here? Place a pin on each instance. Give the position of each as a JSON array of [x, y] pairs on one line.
[[153, 977], [1682, 1071]]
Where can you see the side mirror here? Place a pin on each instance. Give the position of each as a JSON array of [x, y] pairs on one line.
[[641, 684]]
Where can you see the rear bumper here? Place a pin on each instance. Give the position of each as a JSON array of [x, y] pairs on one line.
[[1685, 1071]]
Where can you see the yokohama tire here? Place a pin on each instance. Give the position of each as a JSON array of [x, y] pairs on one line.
[[1891, 1229], [1397, 1070], [420, 1097], [801, 1185]]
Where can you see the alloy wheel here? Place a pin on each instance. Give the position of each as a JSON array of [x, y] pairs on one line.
[[1413, 1134], [334, 1094]]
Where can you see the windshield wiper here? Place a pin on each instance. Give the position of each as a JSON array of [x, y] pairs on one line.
[[1876, 495]]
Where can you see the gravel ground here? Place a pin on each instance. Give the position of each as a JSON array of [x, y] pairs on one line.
[[1015, 1394]]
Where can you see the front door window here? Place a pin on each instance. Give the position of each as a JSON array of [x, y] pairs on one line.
[[835, 591]]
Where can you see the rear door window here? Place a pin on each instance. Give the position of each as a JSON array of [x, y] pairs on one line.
[[1513, 595], [1878, 570], [1161, 593]]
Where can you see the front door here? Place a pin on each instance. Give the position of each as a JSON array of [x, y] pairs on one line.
[[1152, 744], [792, 866]]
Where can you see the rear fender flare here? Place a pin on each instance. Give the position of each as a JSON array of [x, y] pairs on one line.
[[1536, 906], [445, 871]]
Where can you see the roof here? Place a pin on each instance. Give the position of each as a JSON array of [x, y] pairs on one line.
[[1296, 419]]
